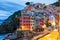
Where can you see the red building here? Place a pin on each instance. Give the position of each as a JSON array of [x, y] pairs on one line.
[[41, 22], [25, 22]]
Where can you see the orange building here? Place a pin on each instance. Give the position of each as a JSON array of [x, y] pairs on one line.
[[30, 8]]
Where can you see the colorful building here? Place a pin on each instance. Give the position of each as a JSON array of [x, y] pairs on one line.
[[34, 16], [32, 25], [25, 22]]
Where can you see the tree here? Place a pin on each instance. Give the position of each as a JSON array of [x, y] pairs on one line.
[[11, 23]]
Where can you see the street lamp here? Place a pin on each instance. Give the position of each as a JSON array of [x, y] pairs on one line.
[[53, 23]]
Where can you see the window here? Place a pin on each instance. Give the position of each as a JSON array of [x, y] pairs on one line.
[[32, 18]]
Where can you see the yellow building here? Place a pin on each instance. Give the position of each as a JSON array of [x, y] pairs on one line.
[[32, 22]]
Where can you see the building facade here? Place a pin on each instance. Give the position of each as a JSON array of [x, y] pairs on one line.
[[33, 17]]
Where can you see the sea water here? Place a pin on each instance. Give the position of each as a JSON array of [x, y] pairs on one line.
[[2, 36]]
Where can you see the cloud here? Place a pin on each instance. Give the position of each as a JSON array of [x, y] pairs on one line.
[[22, 2], [8, 8], [4, 14], [9, 5], [41, 1]]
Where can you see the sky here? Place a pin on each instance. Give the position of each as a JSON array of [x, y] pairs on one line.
[[7, 7], [22, 2]]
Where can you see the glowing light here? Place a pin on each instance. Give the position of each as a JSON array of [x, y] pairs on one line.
[[44, 26], [52, 36], [53, 23], [26, 28]]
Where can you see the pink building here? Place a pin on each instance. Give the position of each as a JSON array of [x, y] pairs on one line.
[[25, 21]]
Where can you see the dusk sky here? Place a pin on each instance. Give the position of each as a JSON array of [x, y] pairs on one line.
[[7, 7]]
